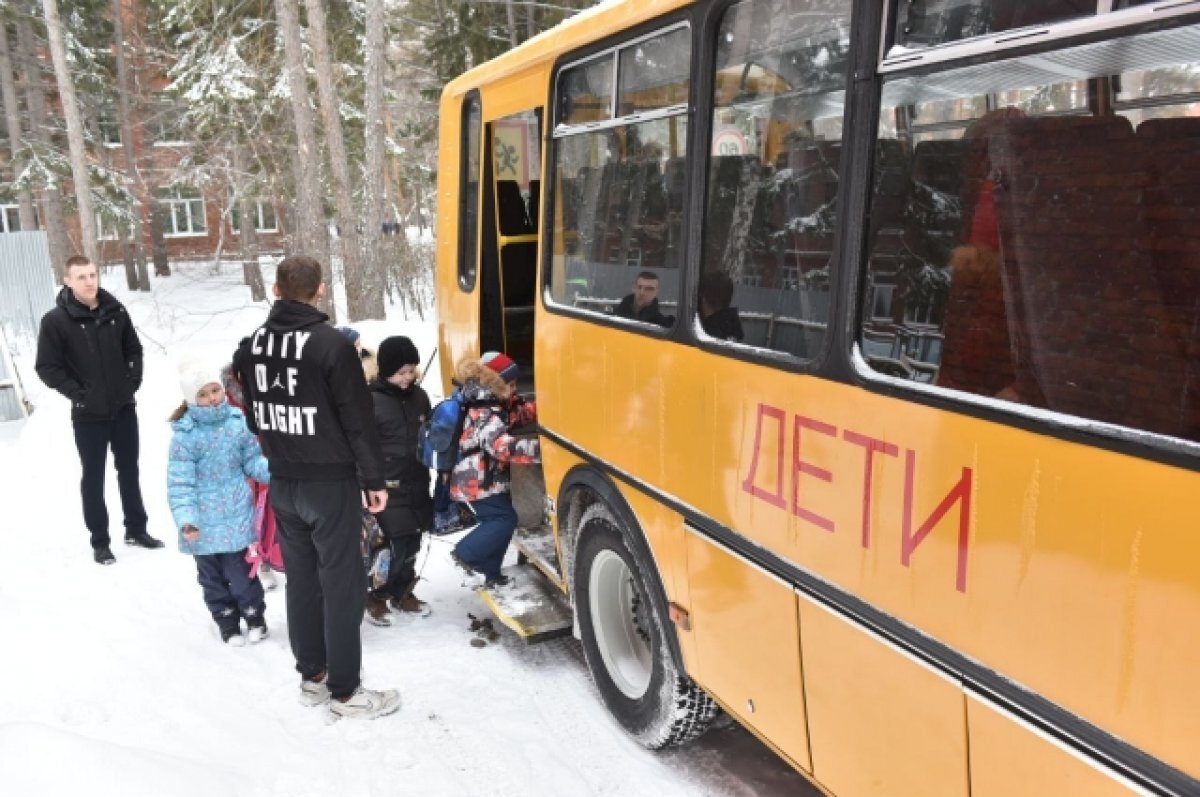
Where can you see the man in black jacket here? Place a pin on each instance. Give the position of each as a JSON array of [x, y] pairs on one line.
[[89, 352], [642, 303], [308, 402]]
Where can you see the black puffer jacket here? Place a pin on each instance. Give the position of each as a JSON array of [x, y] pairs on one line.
[[399, 415], [93, 357]]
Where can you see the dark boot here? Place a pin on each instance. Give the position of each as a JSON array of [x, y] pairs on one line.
[[142, 540]]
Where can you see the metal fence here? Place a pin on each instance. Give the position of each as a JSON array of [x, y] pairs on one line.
[[26, 293], [26, 283]]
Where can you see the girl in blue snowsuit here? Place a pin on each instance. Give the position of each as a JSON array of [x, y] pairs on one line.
[[212, 453]]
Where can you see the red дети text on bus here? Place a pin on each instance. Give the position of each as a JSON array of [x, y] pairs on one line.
[[959, 493]]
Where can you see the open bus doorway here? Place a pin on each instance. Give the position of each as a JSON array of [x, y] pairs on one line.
[[512, 174]]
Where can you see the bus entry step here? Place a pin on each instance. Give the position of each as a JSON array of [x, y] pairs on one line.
[[530, 605]]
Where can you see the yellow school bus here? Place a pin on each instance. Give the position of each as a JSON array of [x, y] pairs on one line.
[[866, 344]]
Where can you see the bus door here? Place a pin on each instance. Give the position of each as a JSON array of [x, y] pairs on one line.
[[510, 240]]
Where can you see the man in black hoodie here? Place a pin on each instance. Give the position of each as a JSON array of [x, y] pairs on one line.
[[89, 352], [307, 401]]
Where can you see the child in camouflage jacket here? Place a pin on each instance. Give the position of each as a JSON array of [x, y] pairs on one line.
[[486, 450]]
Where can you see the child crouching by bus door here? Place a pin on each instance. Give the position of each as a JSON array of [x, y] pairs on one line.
[[487, 449], [401, 406]]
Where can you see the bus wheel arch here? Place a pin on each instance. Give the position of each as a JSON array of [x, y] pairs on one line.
[[629, 643]]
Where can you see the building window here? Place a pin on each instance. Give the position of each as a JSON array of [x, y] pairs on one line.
[[10, 219], [106, 228], [109, 126], [165, 125], [183, 212], [264, 217]]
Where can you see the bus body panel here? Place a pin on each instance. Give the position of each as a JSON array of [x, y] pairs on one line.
[[1040, 545], [1009, 757], [864, 700], [747, 634]]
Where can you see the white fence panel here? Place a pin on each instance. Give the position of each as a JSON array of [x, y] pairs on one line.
[[26, 283]]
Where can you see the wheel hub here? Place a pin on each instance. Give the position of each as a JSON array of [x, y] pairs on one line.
[[618, 619]]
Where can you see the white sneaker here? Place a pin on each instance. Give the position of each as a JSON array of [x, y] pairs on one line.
[[366, 704], [256, 633], [313, 693]]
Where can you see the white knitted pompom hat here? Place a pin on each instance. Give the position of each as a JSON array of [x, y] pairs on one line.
[[194, 374]]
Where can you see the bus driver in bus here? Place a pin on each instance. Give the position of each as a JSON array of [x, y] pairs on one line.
[[642, 304]]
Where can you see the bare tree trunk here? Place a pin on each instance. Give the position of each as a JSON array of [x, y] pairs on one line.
[[35, 101], [512, 22], [127, 257], [248, 235], [361, 301], [12, 117], [158, 242], [251, 270], [131, 166], [79, 163], [374, 186], [312, 237]]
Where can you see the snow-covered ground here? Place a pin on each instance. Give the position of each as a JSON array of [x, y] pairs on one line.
[[116, 683]]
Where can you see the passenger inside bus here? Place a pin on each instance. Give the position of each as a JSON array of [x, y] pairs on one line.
[[642, 303], [978, 354], [717, 318]]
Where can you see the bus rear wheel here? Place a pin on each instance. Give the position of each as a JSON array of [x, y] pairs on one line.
[[624, 640]]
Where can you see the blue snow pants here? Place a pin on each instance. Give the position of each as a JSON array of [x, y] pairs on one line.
[[484, 548]]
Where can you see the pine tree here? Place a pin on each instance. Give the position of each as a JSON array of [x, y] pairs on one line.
[[16, 139], [311, 231], [79, 157]]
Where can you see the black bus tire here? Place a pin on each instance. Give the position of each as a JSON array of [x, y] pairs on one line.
[[624, 642]]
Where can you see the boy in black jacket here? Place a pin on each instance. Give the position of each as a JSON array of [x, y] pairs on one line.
[[401, 406], [88, 351], [308, 402]]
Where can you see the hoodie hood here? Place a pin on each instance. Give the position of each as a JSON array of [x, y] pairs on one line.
[[287, 315]]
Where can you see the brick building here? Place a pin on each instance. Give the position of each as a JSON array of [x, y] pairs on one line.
[[178, 220]]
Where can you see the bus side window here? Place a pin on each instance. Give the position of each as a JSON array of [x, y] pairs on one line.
[[618, 213], [468, 233], [771, 206], [1045, 253], [1172, 150]]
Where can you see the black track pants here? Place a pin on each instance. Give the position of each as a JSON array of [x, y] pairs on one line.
[[320, 531]]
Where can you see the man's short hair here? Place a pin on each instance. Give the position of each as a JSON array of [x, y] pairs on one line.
[[78, 260], [298, 277], [646, 275]]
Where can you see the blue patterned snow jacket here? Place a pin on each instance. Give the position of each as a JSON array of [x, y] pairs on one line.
[[212, 453]]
